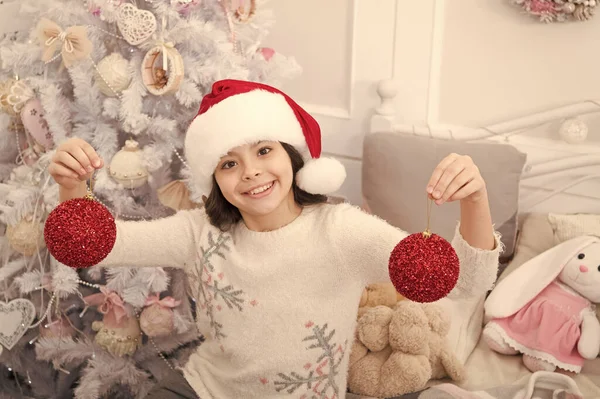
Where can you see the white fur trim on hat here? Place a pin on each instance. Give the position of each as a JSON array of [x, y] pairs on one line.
[[240, 119], [321, 176]]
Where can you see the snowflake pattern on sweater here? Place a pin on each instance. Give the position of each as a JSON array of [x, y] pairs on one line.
[[319, 378], [213, 289]]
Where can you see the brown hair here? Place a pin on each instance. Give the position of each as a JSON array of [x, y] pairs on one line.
[[224, 215]]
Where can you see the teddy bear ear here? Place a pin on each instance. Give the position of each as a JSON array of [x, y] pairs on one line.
[[522, 285]]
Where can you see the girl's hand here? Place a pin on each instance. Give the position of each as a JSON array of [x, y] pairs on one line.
[[73, 163], [456, 178]]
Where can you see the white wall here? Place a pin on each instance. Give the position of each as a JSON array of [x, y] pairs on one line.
[[462, 62]]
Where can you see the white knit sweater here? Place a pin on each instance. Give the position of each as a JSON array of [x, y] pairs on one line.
[[278, 309]]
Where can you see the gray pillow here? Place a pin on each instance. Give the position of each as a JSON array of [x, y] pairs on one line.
[[397, 167]]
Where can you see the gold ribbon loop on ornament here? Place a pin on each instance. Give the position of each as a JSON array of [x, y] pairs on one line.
[[90, 188], [427, 232]]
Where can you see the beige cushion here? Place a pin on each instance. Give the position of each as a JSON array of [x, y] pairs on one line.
[[574, 225], [397, 167], [535, 236]]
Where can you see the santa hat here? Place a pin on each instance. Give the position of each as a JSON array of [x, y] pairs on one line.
[[240, 112]]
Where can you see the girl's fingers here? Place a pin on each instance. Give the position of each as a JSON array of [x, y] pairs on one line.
[[449, 174], [93, 157], [470, 188], [82, 158], [59, 170], [70, 162], [439, 171], [461, 180]]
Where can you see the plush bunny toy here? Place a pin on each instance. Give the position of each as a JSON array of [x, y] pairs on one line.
[[544, 308]]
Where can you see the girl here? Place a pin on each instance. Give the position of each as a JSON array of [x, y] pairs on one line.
[[277, 272]]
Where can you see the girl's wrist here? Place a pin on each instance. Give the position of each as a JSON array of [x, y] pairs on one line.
[[478, 198]]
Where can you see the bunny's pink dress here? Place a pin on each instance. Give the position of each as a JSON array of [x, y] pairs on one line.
[[547, 327]]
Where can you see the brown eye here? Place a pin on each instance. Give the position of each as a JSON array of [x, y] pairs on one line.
[[264, 151], [228, 165], [581, 256]]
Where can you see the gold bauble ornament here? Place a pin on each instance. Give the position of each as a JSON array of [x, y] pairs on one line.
[[119, 341], [27, 236]]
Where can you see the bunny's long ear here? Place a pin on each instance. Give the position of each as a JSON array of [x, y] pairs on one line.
[[522, 285]]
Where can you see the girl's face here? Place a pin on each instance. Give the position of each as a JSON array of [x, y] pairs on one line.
[[256, 178]]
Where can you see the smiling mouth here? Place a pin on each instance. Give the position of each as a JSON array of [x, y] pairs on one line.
[[580, 283], [260, 191]]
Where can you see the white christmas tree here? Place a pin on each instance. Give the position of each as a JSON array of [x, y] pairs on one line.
[[127, 77]]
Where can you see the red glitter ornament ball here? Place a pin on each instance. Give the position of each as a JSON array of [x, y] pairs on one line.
[[424, 267], [80, 232]]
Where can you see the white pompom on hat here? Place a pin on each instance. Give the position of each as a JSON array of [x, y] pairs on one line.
[[240, 112]]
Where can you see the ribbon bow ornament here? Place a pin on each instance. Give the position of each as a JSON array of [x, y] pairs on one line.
[[166, 302], [73, 42], [19, 95], [110, 304]]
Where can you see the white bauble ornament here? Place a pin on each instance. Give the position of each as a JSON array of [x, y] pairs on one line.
[[127, 167], [157, 320], [112, 75], [573, 131], [27, 236]]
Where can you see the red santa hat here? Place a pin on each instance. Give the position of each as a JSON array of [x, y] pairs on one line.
[[240, 112]]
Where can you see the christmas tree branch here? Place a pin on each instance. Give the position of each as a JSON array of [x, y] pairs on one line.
[[105, 371], [65, 350]]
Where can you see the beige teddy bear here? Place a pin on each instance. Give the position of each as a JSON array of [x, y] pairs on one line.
[[397, 351], [378, 294]]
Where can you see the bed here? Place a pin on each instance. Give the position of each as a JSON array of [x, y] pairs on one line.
[[543, 178]]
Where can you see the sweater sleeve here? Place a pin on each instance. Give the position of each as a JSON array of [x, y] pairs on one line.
[[478, 267], [166, 242], [365, 243]]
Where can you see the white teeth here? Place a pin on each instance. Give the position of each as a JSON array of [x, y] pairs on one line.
[[261, 189]]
